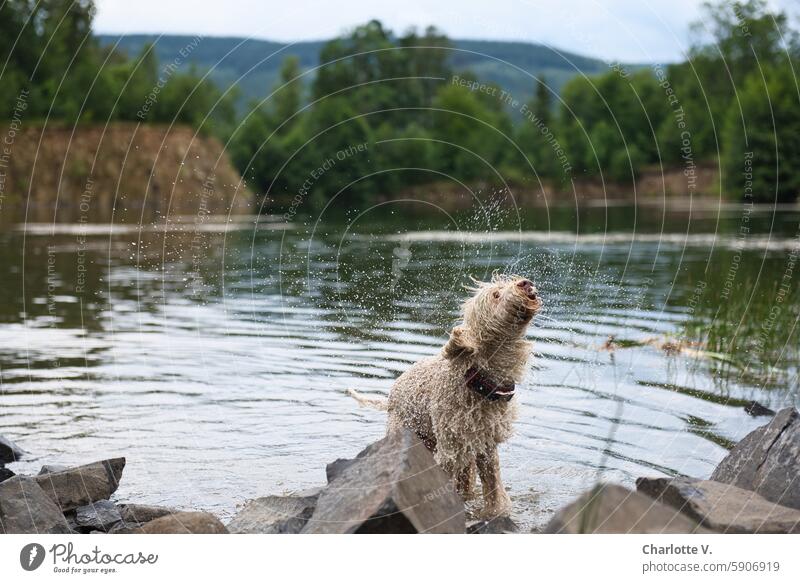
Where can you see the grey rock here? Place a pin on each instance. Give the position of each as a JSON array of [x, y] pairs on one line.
[[336, 467], [80, 486], [184, 523], [612, 509], [498, 525], [767, 461], [26, 509], [274, 515], [141, 513], [722, 507], [394, 486], [5, 474], [756, 409], [9, 451], [101, 515], [51, 469]]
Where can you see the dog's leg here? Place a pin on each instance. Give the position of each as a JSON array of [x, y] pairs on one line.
[[465, 482], [495, 499]]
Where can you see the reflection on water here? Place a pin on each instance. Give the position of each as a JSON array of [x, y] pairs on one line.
[[216, 360]]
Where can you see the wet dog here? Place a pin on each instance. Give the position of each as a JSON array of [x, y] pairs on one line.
[[461, 401]]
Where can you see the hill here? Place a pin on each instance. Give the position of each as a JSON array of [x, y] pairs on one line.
[[121, 173], [254, 64]]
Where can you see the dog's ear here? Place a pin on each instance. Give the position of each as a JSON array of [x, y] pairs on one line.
[[457, 346]]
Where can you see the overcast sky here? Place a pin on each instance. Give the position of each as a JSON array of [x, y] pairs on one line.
[[624, 30]]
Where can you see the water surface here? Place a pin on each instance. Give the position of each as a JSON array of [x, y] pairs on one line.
[[214, 356]]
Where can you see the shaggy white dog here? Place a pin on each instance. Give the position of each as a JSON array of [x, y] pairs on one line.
[[460, 402]]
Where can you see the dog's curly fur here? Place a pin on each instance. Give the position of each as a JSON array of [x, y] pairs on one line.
[[460, 427]]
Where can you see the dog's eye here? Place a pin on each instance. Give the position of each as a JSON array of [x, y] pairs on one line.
[[496, 295]]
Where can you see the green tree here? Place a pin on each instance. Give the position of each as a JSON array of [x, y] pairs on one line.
[[762, 142]]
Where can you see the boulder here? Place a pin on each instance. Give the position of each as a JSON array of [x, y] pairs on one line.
[[336, 467], [755, 409], [5, 474], [274, 515], [26, 509], [101, 515], [83, 485], [612, 509], [9, 451], [722, 507], [51, 468], [141, 513], [498, 525], [767, 461], [393, 486], [184, 523]]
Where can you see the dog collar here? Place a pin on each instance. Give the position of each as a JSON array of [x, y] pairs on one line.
[[481, 384]]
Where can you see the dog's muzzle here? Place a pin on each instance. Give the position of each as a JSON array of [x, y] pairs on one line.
[[481, 384]]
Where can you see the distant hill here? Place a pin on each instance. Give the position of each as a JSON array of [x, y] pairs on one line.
[[254, 64]]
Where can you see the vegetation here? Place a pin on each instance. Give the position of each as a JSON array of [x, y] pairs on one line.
[[735, 100], [385, 112], [55, 69]]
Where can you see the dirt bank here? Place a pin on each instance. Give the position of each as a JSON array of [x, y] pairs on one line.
[[121, 172], [652, 184]]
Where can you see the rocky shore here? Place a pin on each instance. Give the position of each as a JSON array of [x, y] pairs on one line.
[[394, 486]]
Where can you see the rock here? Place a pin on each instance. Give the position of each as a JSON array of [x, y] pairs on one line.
[[83, 485], [722, 507], [767, 461], [5, 474], [758, 410], [334, 469], [140, 513], [51, 469], [394, 486], [274, 515], [9, 451], [184, 523], [101, 515], [499, 525], [26, 509], [612, 509]]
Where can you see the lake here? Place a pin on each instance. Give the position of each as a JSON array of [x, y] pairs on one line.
[[214, 355]]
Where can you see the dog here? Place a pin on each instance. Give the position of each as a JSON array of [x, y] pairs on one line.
[[460, 402]]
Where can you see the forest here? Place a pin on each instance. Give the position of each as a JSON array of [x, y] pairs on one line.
[[384, 112]]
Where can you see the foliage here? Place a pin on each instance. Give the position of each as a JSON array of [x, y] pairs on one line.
[[57, 65]]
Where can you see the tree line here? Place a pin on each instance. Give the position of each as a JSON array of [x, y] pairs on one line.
[[734, 101], [383, 112], [50, 58]]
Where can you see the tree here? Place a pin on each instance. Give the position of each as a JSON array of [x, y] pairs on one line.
[[289, 94], [762, 142]]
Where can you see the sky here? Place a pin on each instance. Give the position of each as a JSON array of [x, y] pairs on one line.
[[634, 31]]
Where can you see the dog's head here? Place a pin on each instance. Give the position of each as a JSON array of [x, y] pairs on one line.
[[498, 311]]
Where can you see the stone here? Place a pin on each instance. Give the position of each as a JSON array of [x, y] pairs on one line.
[[755, 409], [101, 515], [9, 451], [83, 485], [393, 486], [141, 513], [722, 507], [184, 523], [336, 467], [498, 525], [274, 515], [26, 509], [51, 468], [613, 509], [767, 461], [5, 474]]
